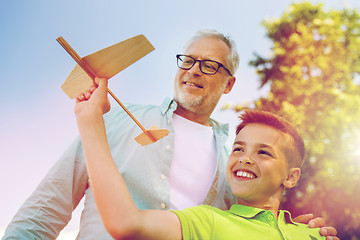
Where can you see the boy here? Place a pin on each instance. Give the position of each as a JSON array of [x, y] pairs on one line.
[[265, 160]]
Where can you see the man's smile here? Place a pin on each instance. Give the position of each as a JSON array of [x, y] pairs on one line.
[[192, 84]]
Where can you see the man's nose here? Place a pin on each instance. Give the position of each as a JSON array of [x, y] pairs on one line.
[[195, 70]]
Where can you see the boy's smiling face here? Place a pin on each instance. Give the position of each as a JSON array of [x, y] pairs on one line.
[[257, 169]]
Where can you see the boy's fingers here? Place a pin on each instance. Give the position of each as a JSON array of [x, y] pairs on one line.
[[87, 94], [80, 97], [317, 223], [332, 238], [305, 218], [101, 81], [328, 231], [92, 89]]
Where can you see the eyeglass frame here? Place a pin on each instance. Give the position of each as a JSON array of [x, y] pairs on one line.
[[200, 61]]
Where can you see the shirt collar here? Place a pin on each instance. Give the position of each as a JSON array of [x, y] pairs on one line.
[[170, 105], [245, 211], [287, 217], [251, 212]]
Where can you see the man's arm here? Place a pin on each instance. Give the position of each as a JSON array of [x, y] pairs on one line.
[[48, 209], [121, 218], [329, 232]]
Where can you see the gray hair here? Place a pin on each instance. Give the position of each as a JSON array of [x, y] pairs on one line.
[[233, 57]]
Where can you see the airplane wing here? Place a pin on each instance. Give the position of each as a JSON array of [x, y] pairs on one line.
[[107, 63]]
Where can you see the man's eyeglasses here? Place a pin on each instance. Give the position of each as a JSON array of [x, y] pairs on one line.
[[209, 67]]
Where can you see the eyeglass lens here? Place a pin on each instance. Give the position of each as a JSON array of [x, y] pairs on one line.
[[206, 66]]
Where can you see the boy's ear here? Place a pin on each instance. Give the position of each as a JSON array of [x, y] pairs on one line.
[[292, 178]]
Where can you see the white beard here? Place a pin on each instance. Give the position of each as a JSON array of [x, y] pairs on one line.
[[189, 102], [197, 104]]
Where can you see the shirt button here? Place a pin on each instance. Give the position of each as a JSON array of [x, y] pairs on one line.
[[167, 147], [169, 122], [172, 105], [162, 177], [163, 205], [270, 217]]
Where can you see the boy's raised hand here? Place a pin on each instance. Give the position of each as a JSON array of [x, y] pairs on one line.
[[93, 100]]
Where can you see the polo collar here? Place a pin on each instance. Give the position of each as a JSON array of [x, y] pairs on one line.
[[251, 212]]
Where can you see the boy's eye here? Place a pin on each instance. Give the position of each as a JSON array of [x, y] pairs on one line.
[[265, 153], [238, 149]]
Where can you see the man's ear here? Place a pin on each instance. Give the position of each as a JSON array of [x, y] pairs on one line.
[[230, 84], [292, 178]]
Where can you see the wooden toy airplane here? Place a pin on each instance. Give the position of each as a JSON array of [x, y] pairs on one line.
[[106, 63]]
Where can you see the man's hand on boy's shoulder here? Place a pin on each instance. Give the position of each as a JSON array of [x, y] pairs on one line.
[[328, 232]]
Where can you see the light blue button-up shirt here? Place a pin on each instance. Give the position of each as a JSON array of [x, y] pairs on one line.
[[145, 169]]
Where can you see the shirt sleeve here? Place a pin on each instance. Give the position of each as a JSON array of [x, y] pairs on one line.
[[48, 209], [196, 222]]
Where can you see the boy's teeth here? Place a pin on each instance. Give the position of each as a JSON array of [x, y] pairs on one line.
[[245, 174]]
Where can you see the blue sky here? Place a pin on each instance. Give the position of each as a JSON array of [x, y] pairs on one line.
[[37, 121]]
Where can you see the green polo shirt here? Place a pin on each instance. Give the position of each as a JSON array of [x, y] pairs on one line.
[[241, 222]]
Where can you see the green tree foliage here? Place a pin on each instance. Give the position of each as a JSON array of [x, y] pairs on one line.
[[314, 78]]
